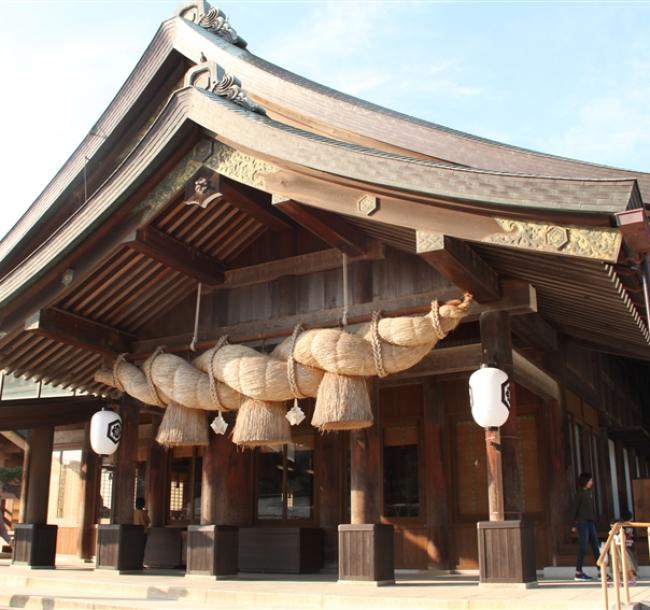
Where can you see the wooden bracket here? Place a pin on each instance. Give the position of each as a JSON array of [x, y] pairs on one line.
[[176, 255], [253, 202], [331, 228], [459, 263], [71, 329]]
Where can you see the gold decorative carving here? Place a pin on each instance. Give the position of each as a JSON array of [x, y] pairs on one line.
[[368, 204], [239, 166], [588, 242], [203, 191]]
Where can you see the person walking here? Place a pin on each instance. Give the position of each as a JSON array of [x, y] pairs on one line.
[[584, 518]]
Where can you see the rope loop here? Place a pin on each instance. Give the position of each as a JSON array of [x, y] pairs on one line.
[[116, 379], [291, 364], [376, 345], [148, 365], [435, 321], [214, 391]]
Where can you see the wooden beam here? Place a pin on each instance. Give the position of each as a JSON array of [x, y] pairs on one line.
[[15, 438], [176, 255], [518, 297], [535, 331], [443, 361], [302, 264], [71, 329], [256, 204], [331, 228], [535, 379], [39, 412], [458, 262]]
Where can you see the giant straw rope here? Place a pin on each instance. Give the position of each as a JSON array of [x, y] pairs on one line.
[[329, 364]]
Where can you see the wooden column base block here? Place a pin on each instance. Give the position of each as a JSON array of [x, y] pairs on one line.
[[120, 547], [212, 550], [366, 553], [35, 545], [506, 551], [289, 550], [163, 548]]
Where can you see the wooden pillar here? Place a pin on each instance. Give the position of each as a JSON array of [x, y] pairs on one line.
[[156, 477], [436, 490], [226, 505], [496, 348], [23, 482], [328, 468], [90, 476], [120, 546], [38, 474], [127, 455], [365, 545], [35, 540], [365, 467], [226, 483]]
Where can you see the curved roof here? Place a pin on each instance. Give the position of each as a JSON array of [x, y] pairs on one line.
[[300, 102]]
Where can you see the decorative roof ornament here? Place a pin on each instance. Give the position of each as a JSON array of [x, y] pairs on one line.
[[212, 19], [212, 77]]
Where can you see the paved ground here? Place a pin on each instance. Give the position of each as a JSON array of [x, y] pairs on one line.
[[75, 586]]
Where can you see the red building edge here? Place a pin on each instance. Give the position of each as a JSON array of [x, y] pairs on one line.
[[213, 166]]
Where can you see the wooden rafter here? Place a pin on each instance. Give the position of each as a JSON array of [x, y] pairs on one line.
[[458, 262], [254, 203], [331, 228], [176, 255], [71, 329]]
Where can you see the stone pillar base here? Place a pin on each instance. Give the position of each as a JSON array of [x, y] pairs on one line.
[[506, 551], [212, 550], [35, 545], [366, 553], [120, 547]]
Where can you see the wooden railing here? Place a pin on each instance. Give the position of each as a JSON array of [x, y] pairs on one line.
[[618, 560]]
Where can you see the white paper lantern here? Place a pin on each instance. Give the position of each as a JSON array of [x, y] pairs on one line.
[[489, 397], [105, 432]]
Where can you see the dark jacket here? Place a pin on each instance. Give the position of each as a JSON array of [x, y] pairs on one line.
[[584, 506]]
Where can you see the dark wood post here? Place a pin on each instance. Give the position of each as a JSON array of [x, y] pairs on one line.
[[120, 546], [436, 487], [156, 477], [329, 477], [35, 539], [125, 464], [366, 546], [496, 345], [90, 475], [226, 505], [506, 549]]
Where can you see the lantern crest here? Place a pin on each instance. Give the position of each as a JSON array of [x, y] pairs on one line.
[[489, 395], [105, 432]]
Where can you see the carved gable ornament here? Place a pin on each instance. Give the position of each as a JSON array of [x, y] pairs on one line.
[[212, 19], [203, 189], [209, 75]]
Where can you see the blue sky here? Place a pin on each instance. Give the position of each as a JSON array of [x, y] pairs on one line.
[[568, 78]]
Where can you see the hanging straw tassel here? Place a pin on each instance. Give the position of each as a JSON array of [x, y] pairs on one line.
[[181, 427], [261, 424], [342, 403]]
